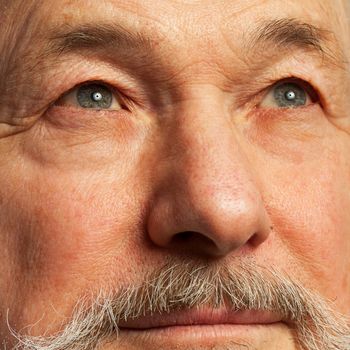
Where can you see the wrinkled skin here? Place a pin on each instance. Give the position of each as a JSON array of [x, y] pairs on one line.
[[93, 200]]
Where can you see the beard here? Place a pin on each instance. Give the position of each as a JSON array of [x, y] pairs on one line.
[[244, 286]]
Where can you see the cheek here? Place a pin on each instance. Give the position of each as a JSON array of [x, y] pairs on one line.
[[304, 174], [67, 236], [84, 229], [75, 198], [311, 218], [67, 216]]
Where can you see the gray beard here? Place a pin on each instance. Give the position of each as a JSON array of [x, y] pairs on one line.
[[244, 286]]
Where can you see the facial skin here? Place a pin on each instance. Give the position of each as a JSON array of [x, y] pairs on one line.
[[194, 163]]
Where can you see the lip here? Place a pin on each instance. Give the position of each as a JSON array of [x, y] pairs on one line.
[[201, 317]]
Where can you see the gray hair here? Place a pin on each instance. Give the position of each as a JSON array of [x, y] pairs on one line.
[[245, 286]]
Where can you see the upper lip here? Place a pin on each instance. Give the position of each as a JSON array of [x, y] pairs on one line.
[[202, 316]]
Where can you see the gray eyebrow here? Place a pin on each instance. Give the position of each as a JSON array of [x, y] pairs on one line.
[[95, 36], [285, 33], [291, 33]]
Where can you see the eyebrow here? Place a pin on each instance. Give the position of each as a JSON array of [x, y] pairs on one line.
[[95, 36], [285, 33]]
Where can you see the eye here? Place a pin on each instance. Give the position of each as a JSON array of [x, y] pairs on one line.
[[91, 96], [289, 94]]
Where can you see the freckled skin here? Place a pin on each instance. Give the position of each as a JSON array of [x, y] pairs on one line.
[[90, 202]]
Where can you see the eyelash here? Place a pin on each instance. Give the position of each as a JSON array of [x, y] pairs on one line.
[[128, 103], [310, 90], [127, 95], [121, 97], [253, 96]]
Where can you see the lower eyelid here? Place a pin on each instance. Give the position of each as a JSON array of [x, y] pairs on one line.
[[68, 115], [308, 114]]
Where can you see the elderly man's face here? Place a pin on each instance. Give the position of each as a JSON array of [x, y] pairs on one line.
[[177, 172]]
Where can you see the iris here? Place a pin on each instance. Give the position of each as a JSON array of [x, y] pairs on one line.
[[290, 95], [94, 96]]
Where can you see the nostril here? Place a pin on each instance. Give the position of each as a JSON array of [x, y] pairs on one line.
[[193, 239], [255, 240], [183, 236]]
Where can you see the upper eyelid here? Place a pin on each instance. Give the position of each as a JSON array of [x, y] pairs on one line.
[[88, 82], [299, 82], [119, 82], [256, 98]]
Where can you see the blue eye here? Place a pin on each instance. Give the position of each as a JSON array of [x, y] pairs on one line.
[[290, 95], [94, 96], [91, 96]]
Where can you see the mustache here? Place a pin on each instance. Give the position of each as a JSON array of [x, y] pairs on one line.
[[179, 285]]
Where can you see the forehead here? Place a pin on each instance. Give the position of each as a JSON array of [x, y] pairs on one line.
[[186, 25], [184, 12], [162, 10], [191, 17]]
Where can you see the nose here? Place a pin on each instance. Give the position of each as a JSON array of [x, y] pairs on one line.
[[206, 202]]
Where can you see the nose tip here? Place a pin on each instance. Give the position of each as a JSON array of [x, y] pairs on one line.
[[214, 225]]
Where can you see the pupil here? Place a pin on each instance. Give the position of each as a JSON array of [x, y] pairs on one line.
[[97, 96], [290, 95]]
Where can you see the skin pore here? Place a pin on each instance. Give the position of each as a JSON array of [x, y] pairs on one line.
[[194, 188]]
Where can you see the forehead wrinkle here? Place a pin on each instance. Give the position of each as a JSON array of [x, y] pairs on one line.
[[20, 25], [96, 36]]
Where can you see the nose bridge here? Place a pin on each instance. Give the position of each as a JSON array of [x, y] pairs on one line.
[[209, 158], [208, 188]]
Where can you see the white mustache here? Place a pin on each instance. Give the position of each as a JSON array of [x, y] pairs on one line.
[[244, 286]]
